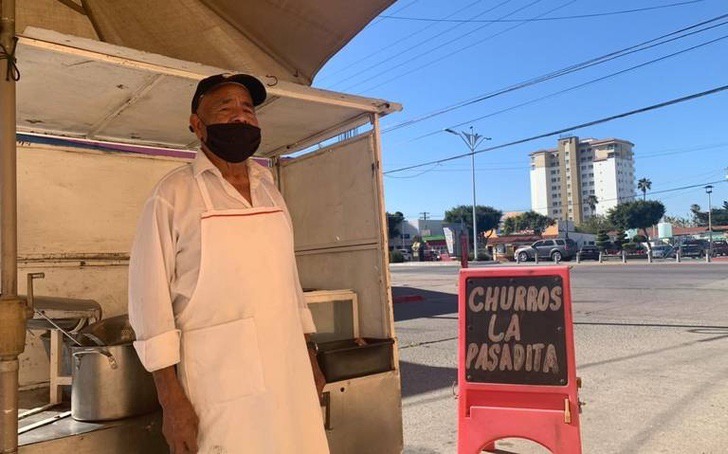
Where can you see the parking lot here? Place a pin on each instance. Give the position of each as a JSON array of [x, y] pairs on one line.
[[651, 346]]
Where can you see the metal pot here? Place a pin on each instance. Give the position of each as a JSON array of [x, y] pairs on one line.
[[109, 382]]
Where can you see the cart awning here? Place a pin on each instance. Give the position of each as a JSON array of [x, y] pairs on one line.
[[289, 39], [86, 89]]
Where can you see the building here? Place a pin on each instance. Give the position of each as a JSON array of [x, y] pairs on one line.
[[564, 178]]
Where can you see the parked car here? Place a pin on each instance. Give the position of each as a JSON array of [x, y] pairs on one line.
[[406, 255], [662, 251], [693, 248], [587, 252], [556, 249], [720, 247]]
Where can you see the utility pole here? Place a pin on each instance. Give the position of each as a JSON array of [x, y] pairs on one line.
[[425, 215], [472, 140], [709, 190]]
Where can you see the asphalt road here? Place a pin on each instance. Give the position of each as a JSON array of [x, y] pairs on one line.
[[651, 348]]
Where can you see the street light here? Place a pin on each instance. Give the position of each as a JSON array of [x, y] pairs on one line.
[[709, 190], [472, 140]]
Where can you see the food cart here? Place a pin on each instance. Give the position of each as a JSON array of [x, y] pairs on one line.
[[98, 125]]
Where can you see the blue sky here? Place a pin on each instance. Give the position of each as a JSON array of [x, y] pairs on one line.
[[428, 66]]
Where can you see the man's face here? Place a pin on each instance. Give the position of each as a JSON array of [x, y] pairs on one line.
[[227, 103]]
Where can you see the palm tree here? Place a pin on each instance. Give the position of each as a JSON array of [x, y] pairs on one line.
[[592, 202], [644, 185]]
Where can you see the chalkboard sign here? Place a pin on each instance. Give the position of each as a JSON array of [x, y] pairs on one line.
[[515, 331]]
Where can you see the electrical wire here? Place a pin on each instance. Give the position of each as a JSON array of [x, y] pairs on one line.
[[654, 42], [572, 128], [575, 87], [459, 50], [381, 17], [579, 16], [417, 174], [385, 61], [638, 158], [663, 191], [378, 52]]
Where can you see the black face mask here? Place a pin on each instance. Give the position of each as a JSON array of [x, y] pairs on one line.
[[232, 142]]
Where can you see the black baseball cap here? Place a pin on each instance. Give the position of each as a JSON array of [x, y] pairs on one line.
[[254, 86]]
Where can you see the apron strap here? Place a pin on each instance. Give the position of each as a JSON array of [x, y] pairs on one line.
[[204, 192]]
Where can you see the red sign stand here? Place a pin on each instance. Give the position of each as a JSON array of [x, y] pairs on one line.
[[516, 365]]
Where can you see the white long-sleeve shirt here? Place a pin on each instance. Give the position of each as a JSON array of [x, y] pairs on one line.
[[165, 256]]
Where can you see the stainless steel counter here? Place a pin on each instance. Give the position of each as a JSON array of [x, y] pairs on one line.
[[142, 434]]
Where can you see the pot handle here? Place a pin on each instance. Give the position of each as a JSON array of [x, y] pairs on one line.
[[100, 351]]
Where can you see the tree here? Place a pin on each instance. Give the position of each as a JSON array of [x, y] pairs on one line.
[[639, 238], [678, 221], [620, 239], [602, 240], [394, 222], [530, 220], [592, 202], [594, 224], [699, 218], [644, 185], [488, 218], [720, 216], [639, 214]]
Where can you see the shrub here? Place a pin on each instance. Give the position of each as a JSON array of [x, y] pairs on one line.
[[639, 239], [396, 257]]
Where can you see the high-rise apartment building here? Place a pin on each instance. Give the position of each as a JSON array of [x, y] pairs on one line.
[[564, 178]]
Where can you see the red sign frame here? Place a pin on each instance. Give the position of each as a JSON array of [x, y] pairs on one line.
[[547, 415]]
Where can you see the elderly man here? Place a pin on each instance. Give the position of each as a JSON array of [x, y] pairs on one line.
[[214, 295]]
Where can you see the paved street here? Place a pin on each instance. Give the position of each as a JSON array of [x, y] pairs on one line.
[[651, 345]]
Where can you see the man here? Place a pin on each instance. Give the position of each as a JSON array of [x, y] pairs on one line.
[[214, 295]]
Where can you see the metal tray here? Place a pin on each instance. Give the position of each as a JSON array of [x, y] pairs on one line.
[[342, 360]]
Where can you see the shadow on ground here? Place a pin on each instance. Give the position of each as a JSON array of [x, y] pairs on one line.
[[420, 379], [432, 304]]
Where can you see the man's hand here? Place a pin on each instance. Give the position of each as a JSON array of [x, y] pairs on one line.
[[179, 420], [318, 378], [318, 375]]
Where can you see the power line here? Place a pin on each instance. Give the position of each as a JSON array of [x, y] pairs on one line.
[[663, 191], [383, 62], [575, 87], [578, 16], [523, 167], [381, 17], [568, 70], [572, 128], [459, 50], [378, 52], [509, 165]]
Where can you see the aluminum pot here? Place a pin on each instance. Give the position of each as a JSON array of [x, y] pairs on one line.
[[109, 382]]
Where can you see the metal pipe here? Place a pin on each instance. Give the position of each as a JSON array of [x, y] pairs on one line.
[[45, 422], [13, 313], [36, 410], [8, 190], [9, 431]]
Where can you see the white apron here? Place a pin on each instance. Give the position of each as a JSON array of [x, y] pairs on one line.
[[244, 364]]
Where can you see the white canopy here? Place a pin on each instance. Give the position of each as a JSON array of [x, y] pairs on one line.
[[83, 88], [289, 39]]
